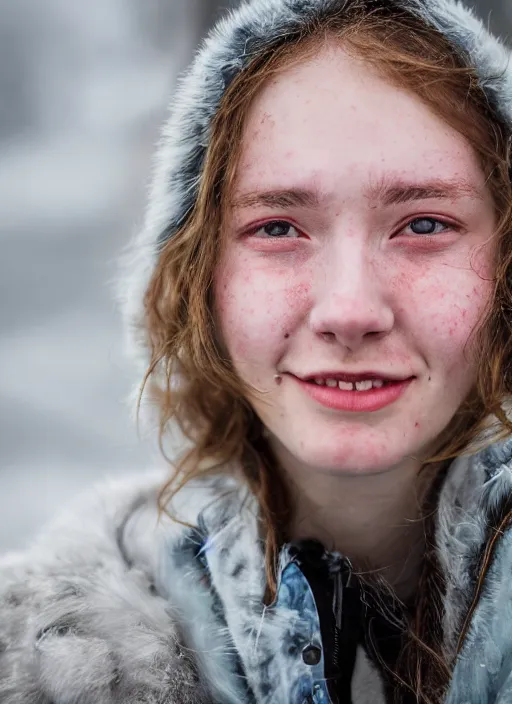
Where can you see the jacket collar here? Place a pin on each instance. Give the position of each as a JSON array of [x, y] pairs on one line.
[[469, 508], [237, 635]]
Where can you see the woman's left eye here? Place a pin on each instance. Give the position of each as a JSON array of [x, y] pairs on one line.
[[427, 226], [276, 229]]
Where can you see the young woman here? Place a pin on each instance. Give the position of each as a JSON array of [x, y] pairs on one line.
[[322, 300]]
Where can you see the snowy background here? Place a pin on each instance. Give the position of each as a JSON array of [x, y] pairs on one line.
[[83, 90]]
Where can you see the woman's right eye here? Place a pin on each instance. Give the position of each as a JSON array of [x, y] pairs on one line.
[[276, 229]]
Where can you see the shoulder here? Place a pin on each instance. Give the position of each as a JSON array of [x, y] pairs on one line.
[[80, 617]]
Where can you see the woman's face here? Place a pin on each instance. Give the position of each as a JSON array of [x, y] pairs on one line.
[[355, 266]]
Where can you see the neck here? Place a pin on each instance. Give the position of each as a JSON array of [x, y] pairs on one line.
[[374, 520]]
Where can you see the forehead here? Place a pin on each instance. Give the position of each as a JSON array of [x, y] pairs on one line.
[[333, 117]]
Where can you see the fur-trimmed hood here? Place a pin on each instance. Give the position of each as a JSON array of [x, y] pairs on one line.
[[230, 46], [114, 605]]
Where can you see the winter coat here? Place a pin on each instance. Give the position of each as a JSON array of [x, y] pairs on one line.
[[116, 604], [113, 604]]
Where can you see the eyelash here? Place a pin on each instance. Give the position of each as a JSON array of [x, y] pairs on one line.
[[446, 226], [260, 228]]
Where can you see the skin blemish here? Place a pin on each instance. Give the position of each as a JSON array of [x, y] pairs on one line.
[[392, 300], [267, 118], [297, 295]]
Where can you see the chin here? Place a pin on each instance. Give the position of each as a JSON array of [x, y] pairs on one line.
[[350, 457]]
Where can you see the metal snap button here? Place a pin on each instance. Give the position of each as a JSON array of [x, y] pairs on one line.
[[312, 654]]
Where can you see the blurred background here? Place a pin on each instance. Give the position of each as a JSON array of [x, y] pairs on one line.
[[83, 90]]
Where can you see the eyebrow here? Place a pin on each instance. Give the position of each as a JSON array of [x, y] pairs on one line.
[[280, 198], [385, 192], [388, 193]]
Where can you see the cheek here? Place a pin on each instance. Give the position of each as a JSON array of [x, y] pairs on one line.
[[446, 313], [257, 306]]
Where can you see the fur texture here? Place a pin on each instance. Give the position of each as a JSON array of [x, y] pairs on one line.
[[81, 622], [114, 604]]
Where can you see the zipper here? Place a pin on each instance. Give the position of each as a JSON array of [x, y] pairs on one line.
[[338, 604]]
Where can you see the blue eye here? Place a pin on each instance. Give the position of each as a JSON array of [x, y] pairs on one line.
[[278, 228], [427, 226]]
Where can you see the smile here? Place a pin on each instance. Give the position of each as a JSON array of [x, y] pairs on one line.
[[358, 396], [363, 385]]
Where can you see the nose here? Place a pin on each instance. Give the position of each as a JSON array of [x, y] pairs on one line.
[[350, 302]]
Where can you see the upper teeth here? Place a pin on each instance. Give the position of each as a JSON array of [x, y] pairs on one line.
[[364, 385]]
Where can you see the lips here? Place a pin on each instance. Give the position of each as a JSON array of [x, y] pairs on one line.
[[362, 392]]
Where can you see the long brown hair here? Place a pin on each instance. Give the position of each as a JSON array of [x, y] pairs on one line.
[[193, 381]]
